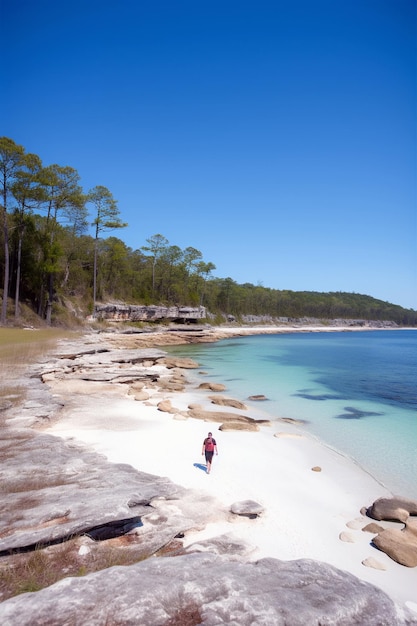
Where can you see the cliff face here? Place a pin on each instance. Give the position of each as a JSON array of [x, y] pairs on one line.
[[136, 313]]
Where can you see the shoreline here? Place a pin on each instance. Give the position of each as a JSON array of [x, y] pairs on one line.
[[308, 514]]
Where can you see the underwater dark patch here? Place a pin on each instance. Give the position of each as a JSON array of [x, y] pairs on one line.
[[355, 414], [324, 396]]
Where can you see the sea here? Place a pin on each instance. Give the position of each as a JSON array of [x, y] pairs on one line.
[[356, 391]]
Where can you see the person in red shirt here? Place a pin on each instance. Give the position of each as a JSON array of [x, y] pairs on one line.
[[209, 448]]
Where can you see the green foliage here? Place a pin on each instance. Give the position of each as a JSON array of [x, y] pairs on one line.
[[53, 262]]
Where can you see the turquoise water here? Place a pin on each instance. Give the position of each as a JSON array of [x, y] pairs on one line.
[[356, 390]]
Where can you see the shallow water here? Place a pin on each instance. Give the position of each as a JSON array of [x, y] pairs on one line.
[[356, 390]]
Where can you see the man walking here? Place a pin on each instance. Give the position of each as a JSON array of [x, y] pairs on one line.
[[209, 447]]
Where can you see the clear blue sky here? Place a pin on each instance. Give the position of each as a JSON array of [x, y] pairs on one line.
[[278, 138]]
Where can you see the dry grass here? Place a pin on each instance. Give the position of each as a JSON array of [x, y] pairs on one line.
[[189, 615], [32, 571], [18, 344], [18, 347]]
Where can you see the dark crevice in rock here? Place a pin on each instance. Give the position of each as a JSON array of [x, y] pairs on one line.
[[98, 533], [113, 529], [78, 355]]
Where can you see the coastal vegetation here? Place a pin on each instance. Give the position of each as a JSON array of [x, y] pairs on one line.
[[50, 264]]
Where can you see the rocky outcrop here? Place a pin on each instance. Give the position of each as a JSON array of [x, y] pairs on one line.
[[56, 490], [136, 313], [207, 589], [400, 544]]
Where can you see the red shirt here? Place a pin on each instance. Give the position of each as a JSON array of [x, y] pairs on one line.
[[209, 444]]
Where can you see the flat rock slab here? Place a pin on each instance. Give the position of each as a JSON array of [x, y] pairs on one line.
[[55, 489], [207, 589]]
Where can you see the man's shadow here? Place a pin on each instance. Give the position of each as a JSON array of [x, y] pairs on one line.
[[201, 466]]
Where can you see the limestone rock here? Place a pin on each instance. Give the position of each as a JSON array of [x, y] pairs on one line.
[[371, 562], [55, 489], [291, 420], [223, 416], [222, 544], [396, 509], [316, 468], [236, 404], [165, 406], [208, 589], [151, 313], [171, 385], [258, 397], [347, 537], [246, 426], [400, 545], [247, 508], [184, 363], [373, 528], [140, 396], [212, 386]]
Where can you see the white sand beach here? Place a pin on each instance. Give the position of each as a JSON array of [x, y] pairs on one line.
[[306, 512]]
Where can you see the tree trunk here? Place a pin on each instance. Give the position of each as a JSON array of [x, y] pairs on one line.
[[17, 294], [3, 317], [95, 277]]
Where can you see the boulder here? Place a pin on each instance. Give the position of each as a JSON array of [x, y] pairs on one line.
[[258, 397], [223, 416], [166, 407], [400, 545], [140, 396], [396, 509], [235, 404], [247, 508], [212, 386]]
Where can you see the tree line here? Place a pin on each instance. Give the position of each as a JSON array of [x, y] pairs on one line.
[[47, 257]]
